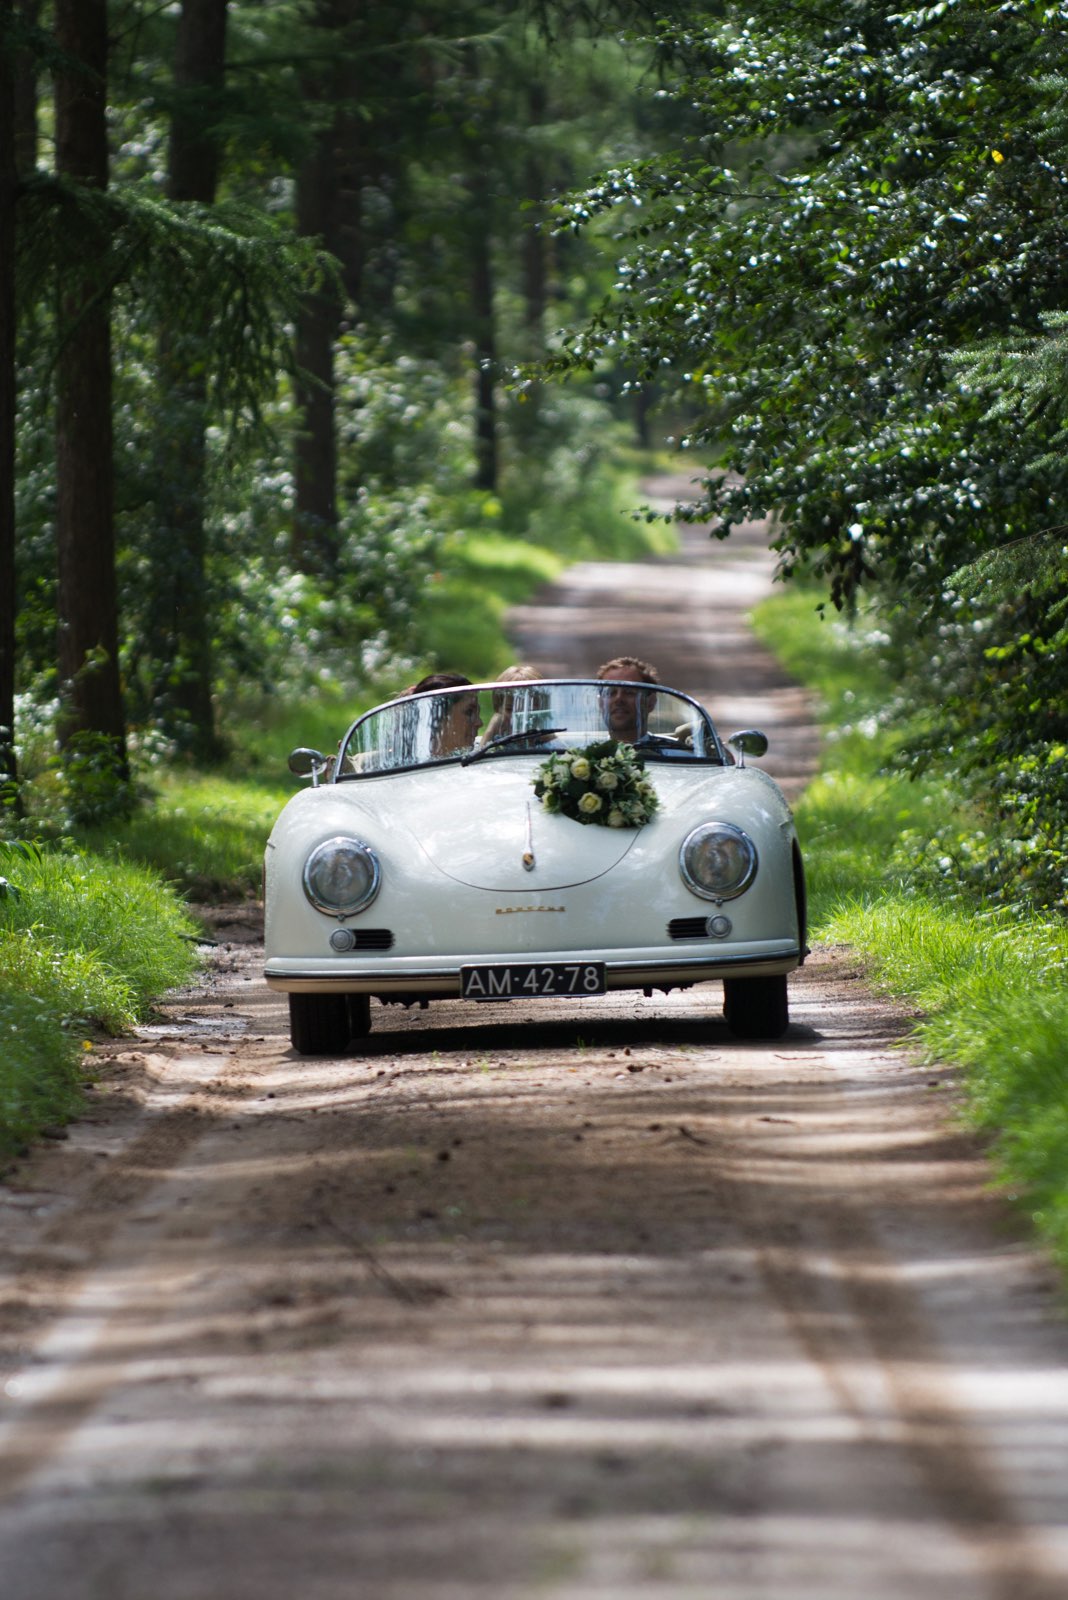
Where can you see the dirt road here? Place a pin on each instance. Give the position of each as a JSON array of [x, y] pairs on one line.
[[596, 1303]]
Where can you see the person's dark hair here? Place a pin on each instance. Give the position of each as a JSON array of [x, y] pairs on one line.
[[438, 680], [633, 666]]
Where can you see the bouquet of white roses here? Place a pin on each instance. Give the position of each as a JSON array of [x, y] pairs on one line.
[[601, 783]]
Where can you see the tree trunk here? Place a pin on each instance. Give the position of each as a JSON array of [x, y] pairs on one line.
[[485, 339], [318, 325], [199, 72], [358, 156], [25, 129], [535, 266], [8, 192], [87, 608], [315, 516], [180, 629]]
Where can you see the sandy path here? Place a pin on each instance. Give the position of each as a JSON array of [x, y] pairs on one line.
[[597, 1303], [686, 614]]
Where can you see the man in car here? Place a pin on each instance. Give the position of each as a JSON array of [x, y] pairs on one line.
[[626, 710]]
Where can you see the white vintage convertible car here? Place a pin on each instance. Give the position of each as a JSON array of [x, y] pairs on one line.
[[550, 838]]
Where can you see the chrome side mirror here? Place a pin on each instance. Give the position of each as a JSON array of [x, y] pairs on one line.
[[303, 761], [748, 742]]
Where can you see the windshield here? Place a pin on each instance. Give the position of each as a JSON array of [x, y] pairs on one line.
[[499, 722]]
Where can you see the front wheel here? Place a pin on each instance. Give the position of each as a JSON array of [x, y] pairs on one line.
[[756, 1008], [319, 1024]]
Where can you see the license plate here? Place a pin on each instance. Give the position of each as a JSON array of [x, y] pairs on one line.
[[528, 980]]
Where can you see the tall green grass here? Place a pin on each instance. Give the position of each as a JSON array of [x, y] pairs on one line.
[[990, 983], [40, 1061], [85, 943], [203, 834], [110, 913]]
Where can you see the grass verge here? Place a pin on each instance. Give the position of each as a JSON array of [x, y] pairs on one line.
[[990, 981], [85, 944]]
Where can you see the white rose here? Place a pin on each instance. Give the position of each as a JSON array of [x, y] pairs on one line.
[[590, 803], [580, 770], [608, 781], [616, 819]]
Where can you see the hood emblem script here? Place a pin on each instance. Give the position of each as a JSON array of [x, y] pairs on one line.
[[510, 911]]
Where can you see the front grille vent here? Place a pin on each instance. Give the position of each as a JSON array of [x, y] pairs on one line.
[[373, 938], [688, 928]]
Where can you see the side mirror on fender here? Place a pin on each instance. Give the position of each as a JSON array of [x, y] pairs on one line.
[[748, 742], [303, 761]]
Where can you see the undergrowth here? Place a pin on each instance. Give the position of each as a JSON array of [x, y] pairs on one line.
[[991, 980], [85, 945]]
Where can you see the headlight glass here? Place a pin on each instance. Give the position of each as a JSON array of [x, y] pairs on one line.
[[718, 861], [341, 876]]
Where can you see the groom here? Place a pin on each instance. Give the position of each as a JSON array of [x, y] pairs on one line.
[[626, 709]]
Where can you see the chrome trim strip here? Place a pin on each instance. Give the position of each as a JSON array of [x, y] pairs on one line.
[[445, 981]]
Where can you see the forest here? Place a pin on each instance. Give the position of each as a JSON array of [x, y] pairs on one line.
[[330, 329], [299, 301], [266, 272]]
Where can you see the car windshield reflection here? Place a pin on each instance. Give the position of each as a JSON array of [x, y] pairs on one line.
[[497, 722]]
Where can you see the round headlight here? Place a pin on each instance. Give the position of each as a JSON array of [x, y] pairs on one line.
[[718, 861], [341, 876]]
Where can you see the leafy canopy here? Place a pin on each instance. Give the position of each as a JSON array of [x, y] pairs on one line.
[[870, 194], [852, 271]]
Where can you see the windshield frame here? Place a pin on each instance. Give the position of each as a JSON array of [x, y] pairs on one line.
[[659, 749]]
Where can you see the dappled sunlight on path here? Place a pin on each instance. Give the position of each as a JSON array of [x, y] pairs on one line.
[[560, 1299]]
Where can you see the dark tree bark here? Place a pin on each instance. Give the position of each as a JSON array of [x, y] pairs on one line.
[[181, 628], [357, 94], [644, 403], [8, 193], [199, 72], [319, 180], [315, 469], [484, 337], [477, 131], [358, 161], [25, 129], [87, 608], [535, 264]]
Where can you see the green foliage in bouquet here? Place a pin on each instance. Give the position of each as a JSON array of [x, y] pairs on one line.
[[602, 783]]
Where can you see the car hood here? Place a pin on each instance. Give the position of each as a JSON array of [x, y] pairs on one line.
[[476, 824]]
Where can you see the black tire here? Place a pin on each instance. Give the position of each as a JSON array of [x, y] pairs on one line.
[[756, 1008], [319, 1024], [359, 1006], [801, 900]]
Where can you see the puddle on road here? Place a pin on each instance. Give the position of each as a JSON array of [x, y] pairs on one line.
[[187, 1027]]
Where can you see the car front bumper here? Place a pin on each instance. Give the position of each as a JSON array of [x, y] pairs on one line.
[[418, 976]]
